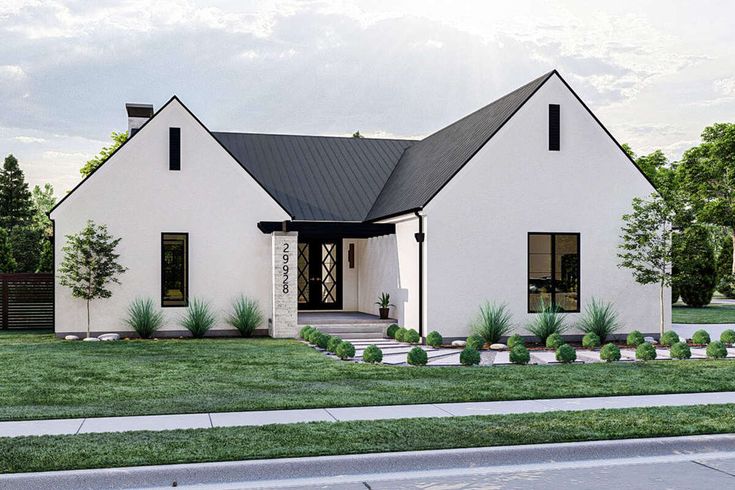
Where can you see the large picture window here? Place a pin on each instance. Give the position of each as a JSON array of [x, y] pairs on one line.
[[553, 271], [174, 269]]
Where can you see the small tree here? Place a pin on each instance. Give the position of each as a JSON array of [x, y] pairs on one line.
[[694, 275], [117, 140], [90, 264], [646, 244]]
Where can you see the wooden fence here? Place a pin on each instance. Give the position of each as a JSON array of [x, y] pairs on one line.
[[27, 301]]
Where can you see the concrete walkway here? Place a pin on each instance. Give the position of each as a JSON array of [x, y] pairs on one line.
[[242, 419]]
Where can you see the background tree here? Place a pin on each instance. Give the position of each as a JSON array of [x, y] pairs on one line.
[[695, 275], [357, 134], [26, 244], [92, 165], [90, 264], [724, 268], [7, 262], [43, 200], [646, 247], [15, 198]]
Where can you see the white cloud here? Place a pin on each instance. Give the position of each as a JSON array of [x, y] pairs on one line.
[[29, 139], [11, 72], [725, 86]]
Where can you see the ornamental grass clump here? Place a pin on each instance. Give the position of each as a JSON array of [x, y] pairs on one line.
[[199, 318], [246, 316], [599, 318], [700, 337], [144, 317], [591, 341], [669, 338], [680, 350], [728, 336], [417, 357], [434, 339], [554, 341], [610, 353], [411, 336], [493, 322], [635, 338], [645, 352], [469, 357], [519, 354], [391, 331], [514, 340], [372, 354], [547, 322], [716, 350], [345, 350], [566, 354]]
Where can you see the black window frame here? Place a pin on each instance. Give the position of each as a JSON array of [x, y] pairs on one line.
[[553, 236], [554, 127], [174, 149], [179, 304]]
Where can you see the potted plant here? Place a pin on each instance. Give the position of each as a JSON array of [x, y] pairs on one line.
[[384, 304]]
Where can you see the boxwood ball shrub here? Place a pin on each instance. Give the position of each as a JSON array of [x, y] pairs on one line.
[[400, 333], [700, 337], [333, 343], [417, 357], [469, 357], [391, 331], [554, 341], [372, 354], [322, 340], [635, 338], [345, 350], [680, 350], [728, 336], [566, 354], [305, 331], [610, 353], [434, 339], [591, 340], [519, 354], [311, 335], [669, 338], [645, 352], [411, 336], [716, 350], [514, 340], [476, 342]]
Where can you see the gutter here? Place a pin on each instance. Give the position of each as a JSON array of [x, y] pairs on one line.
[[420, 237]]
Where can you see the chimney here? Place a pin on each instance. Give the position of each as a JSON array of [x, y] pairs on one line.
[[138, 114]]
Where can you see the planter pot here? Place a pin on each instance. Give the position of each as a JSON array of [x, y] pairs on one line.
[[384, 313]]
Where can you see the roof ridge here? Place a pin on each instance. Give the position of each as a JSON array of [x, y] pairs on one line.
[[316, 136]]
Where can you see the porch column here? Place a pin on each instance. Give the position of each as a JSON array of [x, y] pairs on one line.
[[285, 287]]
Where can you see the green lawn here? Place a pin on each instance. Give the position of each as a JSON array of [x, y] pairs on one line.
[[717, 313], [47, 453], [43, 377]]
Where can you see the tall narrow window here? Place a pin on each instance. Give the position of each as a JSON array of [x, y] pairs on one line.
[[554, 130], [174, 148], [174, 269], [553, 271]]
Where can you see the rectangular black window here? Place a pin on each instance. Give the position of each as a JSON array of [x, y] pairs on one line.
[[553, 271], [554, 127], [174, 148], [174, 269]]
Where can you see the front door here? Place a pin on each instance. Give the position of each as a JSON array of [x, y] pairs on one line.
[[320, 275]]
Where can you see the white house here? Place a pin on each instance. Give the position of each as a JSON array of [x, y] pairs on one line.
[[517, 202]]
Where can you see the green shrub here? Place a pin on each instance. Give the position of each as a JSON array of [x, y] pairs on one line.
[[554, 341], [412, 337], [311, 335], [391, 331], [645, 352], [514, 340], [728, 336], [591, 340], [434, 339], [334, 341], [493, 322], [599, 318], [716, 350], [476, 342], [417, 357], [323, 341], [725, 278], [635, 338], [246, 316], [144, 317], [372, 354], [669, 338], [345, 350], [519, 354], [400, 334], [304, 332], [694, 260], [548, 321], [198, 318], [700, 337], [610, 353], [319, 338], [469, 357], [566, 354], [680, 350]]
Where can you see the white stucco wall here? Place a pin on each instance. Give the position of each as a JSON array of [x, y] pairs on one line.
[[350, 277], [212, 198], [477, 243]]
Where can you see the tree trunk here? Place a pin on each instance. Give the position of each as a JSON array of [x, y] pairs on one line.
[[661, 310], [88, 331]]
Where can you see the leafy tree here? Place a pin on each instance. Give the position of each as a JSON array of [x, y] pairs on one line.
[[7, 262], [357, 134], [46, 257], [90, 264], [43, 200], [725, 283], [646, 246], [26, 244], [117, 140], [15, 199], [695, 275]]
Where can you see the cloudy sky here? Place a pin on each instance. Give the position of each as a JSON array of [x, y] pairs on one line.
[[655, 72]]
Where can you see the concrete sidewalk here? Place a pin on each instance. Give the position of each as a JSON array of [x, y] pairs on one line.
[[254, 418]]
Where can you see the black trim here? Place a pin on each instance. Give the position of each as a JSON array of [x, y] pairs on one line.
[[420, 237], [329, 229], [53, 266], [186, 268], [554, 127], [553, 267], [174, 148]]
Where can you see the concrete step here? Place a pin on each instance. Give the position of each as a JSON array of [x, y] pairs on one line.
[[363, 328], [355, 335]]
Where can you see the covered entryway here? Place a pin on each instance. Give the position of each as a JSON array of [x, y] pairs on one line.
[[320, 274]]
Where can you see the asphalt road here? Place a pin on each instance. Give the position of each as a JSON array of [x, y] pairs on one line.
[[679, 462]]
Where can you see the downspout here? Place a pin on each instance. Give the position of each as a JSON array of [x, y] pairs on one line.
[[420, 237]]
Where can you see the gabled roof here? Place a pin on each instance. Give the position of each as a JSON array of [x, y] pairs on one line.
[[320, 178], [430, 164]]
